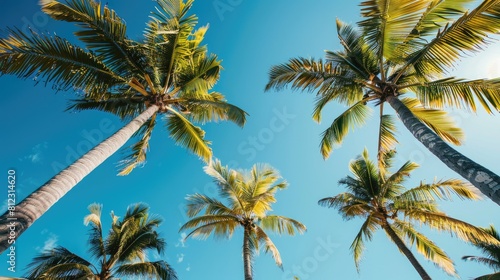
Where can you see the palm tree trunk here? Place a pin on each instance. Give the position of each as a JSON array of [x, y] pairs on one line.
[[482, 178], [14, 223], [402, 247], [247, 255]]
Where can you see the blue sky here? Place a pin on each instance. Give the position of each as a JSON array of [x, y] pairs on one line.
[[249, 36]]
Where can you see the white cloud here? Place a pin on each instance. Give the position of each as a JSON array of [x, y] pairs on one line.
[[49, 244], [180, 258], [188, 268], [36, 155], [182, 240]]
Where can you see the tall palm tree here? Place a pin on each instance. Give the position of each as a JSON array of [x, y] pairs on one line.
[[249, 197], [400, 48], [492, 255], [168, 75], [383, 202], [121, 254]]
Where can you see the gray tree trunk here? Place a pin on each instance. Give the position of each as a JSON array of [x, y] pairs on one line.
[[14, 223], [402, 247], [482, 178], [247, 255]]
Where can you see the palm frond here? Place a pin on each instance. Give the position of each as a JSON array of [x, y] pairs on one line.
[[58, 263], [469, 33], [438, 14], [269, 246], [442, 189], [460, 93], [334, 135], [125, 106], [96, 239], [387, 23], [387, 140], [491, 263], [160, 270], [214, 108], [222, 226], [441, 222], [301, 73], [437, 120], [425, 246], [198, 202], [184, 133], [347, 204], [365, 233], [280, 224], [54, 60], [102, 30], [140, 148]]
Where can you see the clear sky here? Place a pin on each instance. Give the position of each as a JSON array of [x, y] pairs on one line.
[[249, 36]]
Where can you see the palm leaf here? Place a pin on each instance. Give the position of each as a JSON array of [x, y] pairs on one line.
[[366, 232], [56, 60], [460, 93], [214, 108], [261, 236], [102, 30], [387, 23], [441, 222], [301, 73], [468, 33], [221, 225], [436, 120], [59, 263], [425, 246], [160, 270], [198, 202], [140, 148], [334, 135], [493, 264], [442, 189], [280, 224], [96, 241], [348, 205], [187, 135]]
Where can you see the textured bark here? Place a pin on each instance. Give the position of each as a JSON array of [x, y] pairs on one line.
[[402, 247], [482, 178], [14, 223], [247, 256]]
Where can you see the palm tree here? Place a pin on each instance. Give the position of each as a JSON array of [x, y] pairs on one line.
[[249, 197], [404, 47], [382, 201], [121, 254], [492, 255], [169, 74]]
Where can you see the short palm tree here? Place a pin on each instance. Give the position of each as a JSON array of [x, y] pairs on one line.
[[399, 55], [249, 197], [492, 255], [382, 201], [167, 77], [121, 254]]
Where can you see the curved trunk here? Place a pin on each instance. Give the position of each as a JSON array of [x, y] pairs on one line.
[[247, 255], [402, 247], [482, 178], [14, 222]]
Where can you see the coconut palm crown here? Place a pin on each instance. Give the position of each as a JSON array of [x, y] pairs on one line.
[[167, 77], [121, 254], [382, 201], [249, 196], [400, 53]]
